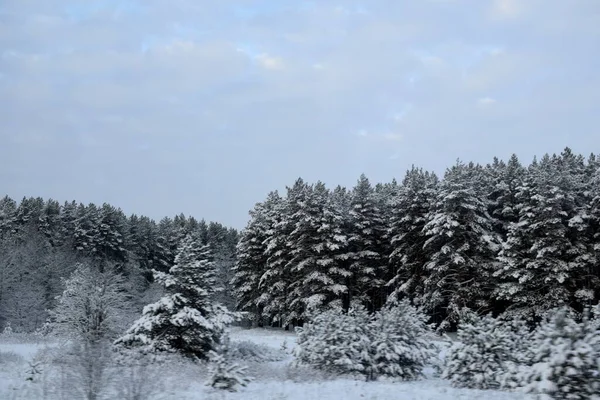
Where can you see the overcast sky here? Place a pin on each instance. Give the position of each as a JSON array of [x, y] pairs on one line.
[[202, 107]]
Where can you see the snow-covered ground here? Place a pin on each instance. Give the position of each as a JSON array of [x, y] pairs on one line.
[[275, 380]]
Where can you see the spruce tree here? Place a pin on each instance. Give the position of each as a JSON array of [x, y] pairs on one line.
[[185, 320]]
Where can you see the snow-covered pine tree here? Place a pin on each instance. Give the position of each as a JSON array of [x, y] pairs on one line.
[[185, 320], [461, 247], [112, 232], [67, 221], [566, 359], [274, 282], [542, 257], [409, 212], [223, 242], [8, 215], [594, 223], [340, 208], [50, 222], [251, 261], [365, 249], [299, 222], [574, 183], [86, 230], [487, 349], [503, 203], [312, 244]]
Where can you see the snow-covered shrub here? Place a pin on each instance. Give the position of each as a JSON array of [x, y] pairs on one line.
[[400, 343], [336, 342], [139, 376], [43, 331], [566, 359], [252, 352], [89, 307], [223, 372], [485, 350], [391, 343], [7, 332]]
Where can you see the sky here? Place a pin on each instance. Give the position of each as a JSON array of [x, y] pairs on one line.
[[203, 107]]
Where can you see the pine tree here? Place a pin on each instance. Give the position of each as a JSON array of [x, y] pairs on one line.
[[251, 262], [112, 231], [8, 216], [506, 179], [275, 280], [312, 245], [366, 249], [461, 246], [409, 216], [542, 255], [86, 235], [185, 320], [595, 223]]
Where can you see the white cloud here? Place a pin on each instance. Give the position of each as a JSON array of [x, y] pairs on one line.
[[394, 137], [486, 101], [507, 8], [270, 62], [335, 74]]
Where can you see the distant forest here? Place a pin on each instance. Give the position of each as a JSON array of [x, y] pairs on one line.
[[41, 241], [505, 238]]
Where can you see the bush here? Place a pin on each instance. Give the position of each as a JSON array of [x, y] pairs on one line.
[[336, 342], [487, 354], [139, 375], [224, 373], [566, 359], [391, 343]]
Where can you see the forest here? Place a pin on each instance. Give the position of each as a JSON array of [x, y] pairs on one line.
[[102, 305], [506, 238], [42, 241], [512, 239]]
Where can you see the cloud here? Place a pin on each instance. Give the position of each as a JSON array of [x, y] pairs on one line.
[[507, 8], [486, 101], [271, 86], [270, 62], [393, 137]]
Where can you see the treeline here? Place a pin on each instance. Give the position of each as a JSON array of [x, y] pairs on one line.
[[503, 238], [41, 241]]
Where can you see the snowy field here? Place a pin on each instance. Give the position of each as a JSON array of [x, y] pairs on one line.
[[274, 379]]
